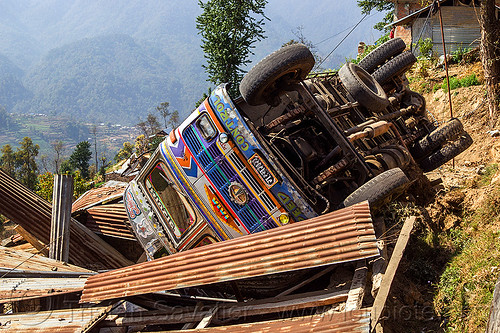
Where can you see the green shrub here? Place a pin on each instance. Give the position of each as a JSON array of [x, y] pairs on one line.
[[458, 54], [470, 80], [425, 47]]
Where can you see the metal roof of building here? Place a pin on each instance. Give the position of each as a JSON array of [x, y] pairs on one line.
[[98, 196], [341, 236], [110, 220]]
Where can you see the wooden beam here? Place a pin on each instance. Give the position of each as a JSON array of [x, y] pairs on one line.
[[357, 291], [380, 264], [42, 249], [494, 319], [397, 254], [61, 217]]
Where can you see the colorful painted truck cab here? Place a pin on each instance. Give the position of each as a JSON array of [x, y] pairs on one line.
[[288, 149], [208, 181]]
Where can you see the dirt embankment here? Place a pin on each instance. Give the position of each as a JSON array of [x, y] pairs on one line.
[[416, 303]]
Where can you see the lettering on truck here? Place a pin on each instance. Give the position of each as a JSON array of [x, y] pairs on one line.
[[231, 124]]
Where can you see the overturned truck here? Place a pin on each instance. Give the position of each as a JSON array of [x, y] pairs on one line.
[[293, 146]]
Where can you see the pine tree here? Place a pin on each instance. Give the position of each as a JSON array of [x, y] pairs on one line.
[[81, 157], [229, 28]]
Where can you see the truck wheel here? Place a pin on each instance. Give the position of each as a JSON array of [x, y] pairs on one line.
[[394, 67], [378, 56], [286, 66], [446, 153], [378, 188], [447, 132], [363, 87]]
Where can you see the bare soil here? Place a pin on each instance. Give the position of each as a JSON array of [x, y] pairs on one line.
[[410, 306]]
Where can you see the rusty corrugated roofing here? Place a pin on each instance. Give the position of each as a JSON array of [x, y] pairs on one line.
[[110, 220], [340, 236], [60, 321], [97, 196], [33, 213]]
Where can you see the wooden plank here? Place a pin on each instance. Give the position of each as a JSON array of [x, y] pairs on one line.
[[357, 291], [380, 264], [397, 254], [61, 217], [42, 248], [494, 319], [208, 318], [16, 289]]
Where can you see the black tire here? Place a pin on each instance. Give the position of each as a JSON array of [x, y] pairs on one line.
[[378, 188], [446, 153], [449, 131], [363, 87], [284, 67], [377, 57], [394, 67]]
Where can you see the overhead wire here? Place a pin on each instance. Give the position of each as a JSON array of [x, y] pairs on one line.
[[339, 43]]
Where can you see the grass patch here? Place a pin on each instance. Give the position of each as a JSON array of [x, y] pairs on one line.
[[465, 289], [470, 80]]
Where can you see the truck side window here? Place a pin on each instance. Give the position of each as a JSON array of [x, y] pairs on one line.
[[206, 127], [175, 208]]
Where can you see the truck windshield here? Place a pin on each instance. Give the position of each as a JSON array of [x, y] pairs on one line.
[[175, 208]]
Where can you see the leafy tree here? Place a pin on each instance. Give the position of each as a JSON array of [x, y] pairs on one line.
[[46, 185], [141, 144], [125, 152], [228, 29], [8, 160], [81, 157], [380, 5], [173, 122], [25, 160], [80, 185], [150, 126], [66, 168], [164, 112]]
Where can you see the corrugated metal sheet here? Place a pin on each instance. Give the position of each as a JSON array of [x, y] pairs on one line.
[[460, 26], [15, 289], [98, 196], [110, 220], [60, 321], [340, 236], [353, 321], [33, 213], [23, 261]]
